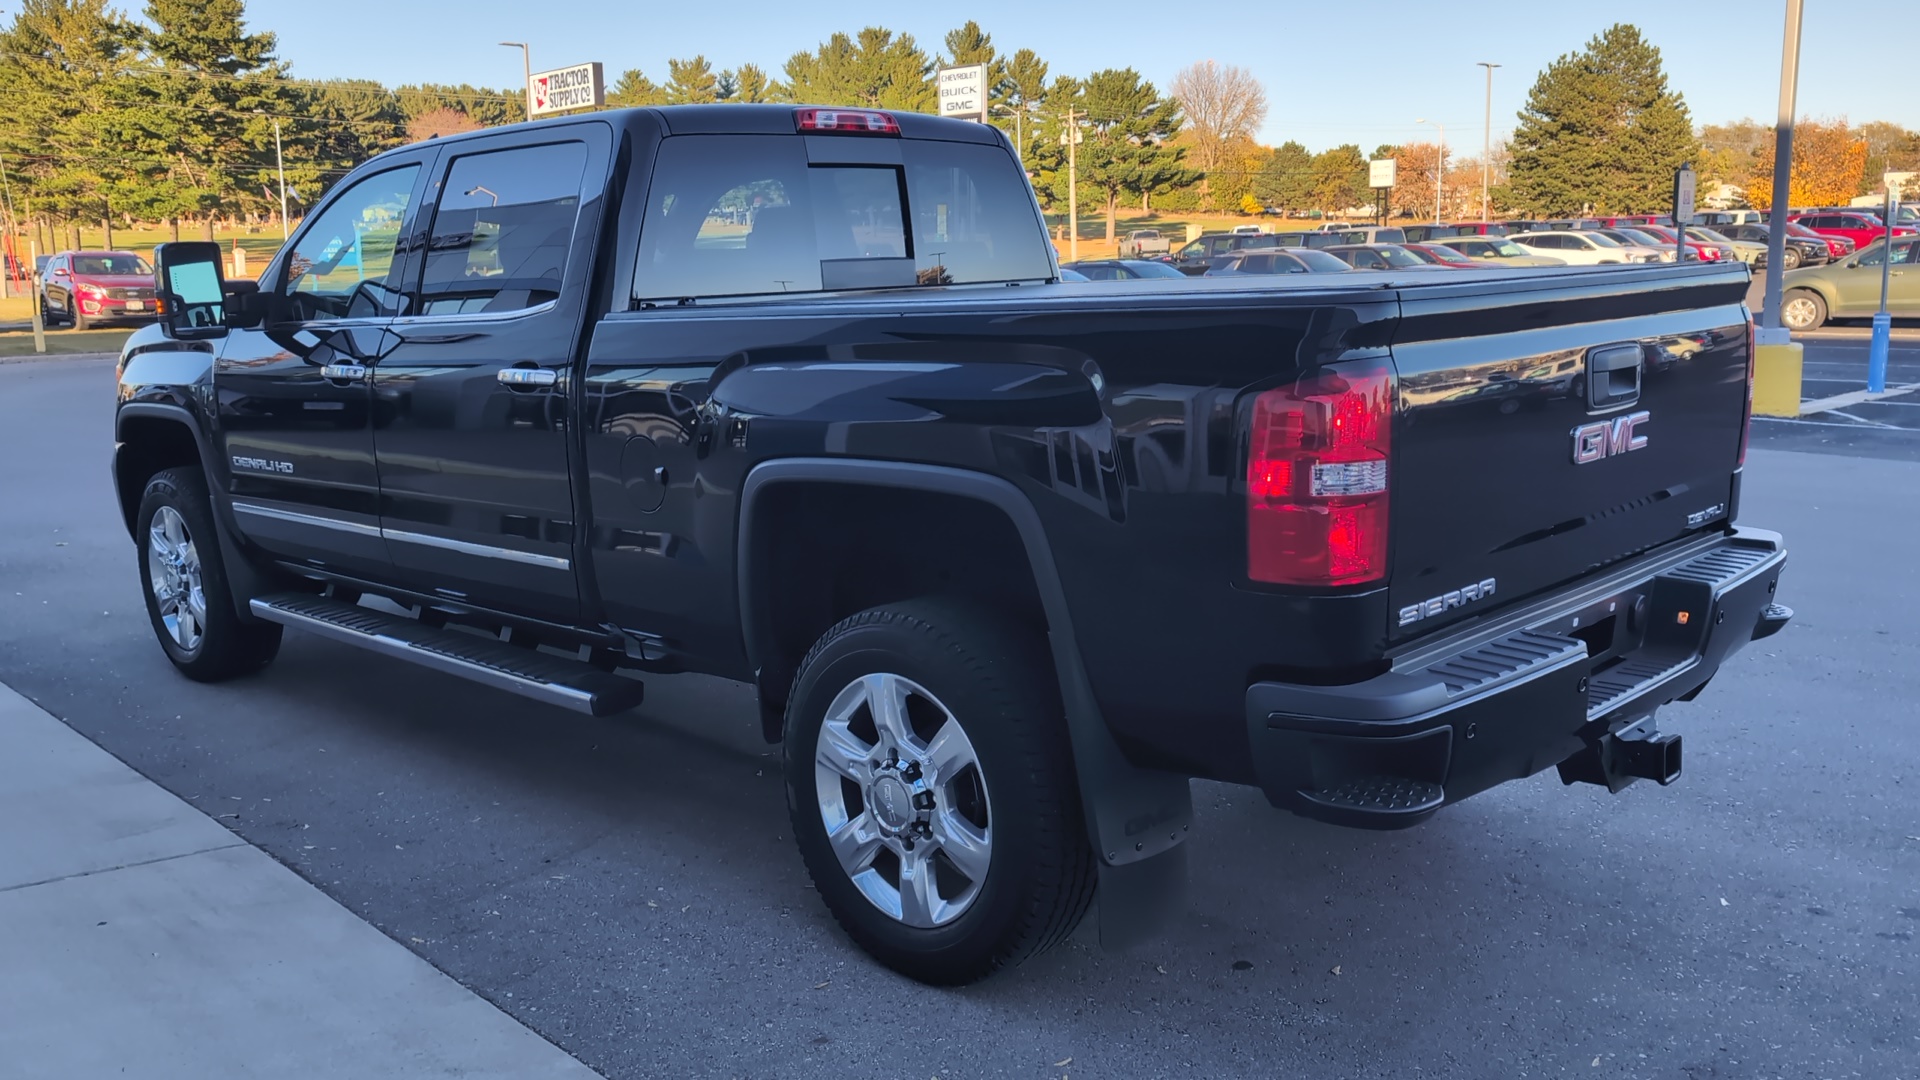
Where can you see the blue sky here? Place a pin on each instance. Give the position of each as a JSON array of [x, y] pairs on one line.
[[1335, 72]]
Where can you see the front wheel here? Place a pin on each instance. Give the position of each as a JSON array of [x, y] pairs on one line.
[[189, 600], [1803, 309], [1790, 259], [932, 790]]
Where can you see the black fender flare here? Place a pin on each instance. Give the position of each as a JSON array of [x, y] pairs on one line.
[[1134, 815], [244, 577]]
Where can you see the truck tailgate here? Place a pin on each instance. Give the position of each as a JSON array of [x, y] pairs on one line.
[[1553, 426]]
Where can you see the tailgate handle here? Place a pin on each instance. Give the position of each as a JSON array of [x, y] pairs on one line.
[[1613, 376]]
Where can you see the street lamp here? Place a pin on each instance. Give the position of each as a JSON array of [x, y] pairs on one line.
[[1486, 142], [1440, 169], [1019, 140], [280, 165], [526, 73]]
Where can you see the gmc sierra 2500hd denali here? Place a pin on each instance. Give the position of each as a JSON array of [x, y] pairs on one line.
[[795, 397]]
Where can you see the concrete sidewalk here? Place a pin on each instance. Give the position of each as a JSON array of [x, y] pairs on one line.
[[140, 938]]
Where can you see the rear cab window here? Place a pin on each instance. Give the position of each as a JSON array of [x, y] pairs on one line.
[[751, 216]]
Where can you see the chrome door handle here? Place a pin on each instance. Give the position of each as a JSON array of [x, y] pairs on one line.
[[344, 371], [522, 377]]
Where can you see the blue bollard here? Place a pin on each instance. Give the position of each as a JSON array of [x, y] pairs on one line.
[[1877, 353]]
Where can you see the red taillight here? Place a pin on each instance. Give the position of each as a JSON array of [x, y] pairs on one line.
[[1746, 422], [845, 122], [1317, 478]]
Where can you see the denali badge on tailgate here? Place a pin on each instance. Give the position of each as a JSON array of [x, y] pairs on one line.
[[1606, 438], [1446, 601]]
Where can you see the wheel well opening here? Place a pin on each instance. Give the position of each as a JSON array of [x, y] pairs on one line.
[[147, 446], [822, 552]]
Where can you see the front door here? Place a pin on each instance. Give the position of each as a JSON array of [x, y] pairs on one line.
[[294, 399], [473, 396]]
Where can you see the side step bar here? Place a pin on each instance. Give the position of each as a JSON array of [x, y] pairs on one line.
[[569, 684]]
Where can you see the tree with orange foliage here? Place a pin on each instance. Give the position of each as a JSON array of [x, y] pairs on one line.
[[1828, 161]]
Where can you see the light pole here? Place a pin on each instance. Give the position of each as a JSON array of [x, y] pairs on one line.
[[1486, 143], [1440, 167], [1071, 136], [1019, 140], [526, 74], [280, 166], [1782, 167]]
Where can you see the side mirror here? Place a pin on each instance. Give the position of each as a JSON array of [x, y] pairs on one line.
[[1853, 264], [59, 271], [187, 277]]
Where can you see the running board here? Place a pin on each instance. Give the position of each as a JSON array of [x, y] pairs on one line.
[[569, 684]]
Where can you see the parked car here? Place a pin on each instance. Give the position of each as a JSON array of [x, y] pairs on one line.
[[1418, 233], [1439, 256], [1268, 261], [1861, 229], [1496, 251], [1716, 218], [1200, 253], [1374, 234], [1379, 257], [1838, 247], [1248, 230], [1565, 224], [1796, 252], [1636, 238], [1625, 219], [903, 486], [1311, 239], [1520, 225], [1696, 251], [1068, 274], [1584, 248], [1745, 251], [87, 288], [1478, 228], [1123, 269], [1143, 243], [1850, 288]]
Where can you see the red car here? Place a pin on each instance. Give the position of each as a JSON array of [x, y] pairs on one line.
[[1838, 247], [85, 288], [1635, 221], [1439, 255], [1695, 249], [1861, 228]]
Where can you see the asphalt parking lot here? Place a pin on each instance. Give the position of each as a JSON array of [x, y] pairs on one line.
[[627, 887]]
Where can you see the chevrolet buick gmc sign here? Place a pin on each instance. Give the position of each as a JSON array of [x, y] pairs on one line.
[[963, 92], [581, 86]]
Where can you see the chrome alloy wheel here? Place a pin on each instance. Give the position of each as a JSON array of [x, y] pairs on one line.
[[1799, 313], [173, 573], [903, 799]]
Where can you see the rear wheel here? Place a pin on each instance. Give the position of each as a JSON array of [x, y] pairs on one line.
[[189, 600], [932, 790], [1803, 309]]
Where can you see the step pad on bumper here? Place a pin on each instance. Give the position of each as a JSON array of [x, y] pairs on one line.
[[569, 684], [1369, 800]]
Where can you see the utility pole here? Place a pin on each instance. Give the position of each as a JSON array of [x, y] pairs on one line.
[[526, 74], [1439, 169], [1071, 137], [280, 163], [1486, 144]]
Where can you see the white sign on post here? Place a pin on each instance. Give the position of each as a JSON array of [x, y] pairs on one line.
[[1380, 172], [582, 86], [963, 92], [1683, 189]]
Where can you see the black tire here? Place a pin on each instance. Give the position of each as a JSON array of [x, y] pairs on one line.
[[81, 322], [1790, 259], [994, 680], [1803, 309], [48, 317], [225, 646]]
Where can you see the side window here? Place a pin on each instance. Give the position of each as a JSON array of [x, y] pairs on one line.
[[340, 265], [1100, 273], [1903, 254], [503, 230], [1256, 264]]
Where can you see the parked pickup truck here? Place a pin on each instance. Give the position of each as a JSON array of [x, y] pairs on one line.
[[793, 396], [1145, 244]]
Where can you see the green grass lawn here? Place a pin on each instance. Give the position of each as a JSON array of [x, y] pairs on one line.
[[64, 342]]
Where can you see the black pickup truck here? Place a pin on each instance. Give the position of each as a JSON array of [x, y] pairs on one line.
[[795, 397]]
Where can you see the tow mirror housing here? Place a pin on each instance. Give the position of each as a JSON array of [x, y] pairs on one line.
[[188, 279]]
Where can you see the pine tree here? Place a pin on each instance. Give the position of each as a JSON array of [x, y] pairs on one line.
[[878, 71], [1126, 149], [692, 82], [750, 85], [1601, 129], [634, 89], [1284, 180], [66, 125]]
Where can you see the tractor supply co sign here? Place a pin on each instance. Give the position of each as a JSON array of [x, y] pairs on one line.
[[581, 86], [963, 92]]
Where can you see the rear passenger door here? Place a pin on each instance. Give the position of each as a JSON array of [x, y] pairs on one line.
[[471, 404]]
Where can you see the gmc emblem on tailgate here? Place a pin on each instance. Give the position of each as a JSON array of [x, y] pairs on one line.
[[1607, 438]]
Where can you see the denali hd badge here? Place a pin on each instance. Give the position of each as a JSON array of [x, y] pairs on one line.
[[1445, 602], [1607, 438]]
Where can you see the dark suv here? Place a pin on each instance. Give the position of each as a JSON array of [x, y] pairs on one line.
[[84, 288]]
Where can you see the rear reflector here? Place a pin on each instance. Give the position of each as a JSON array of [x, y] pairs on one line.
[[845, 122], [1317, 478]]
